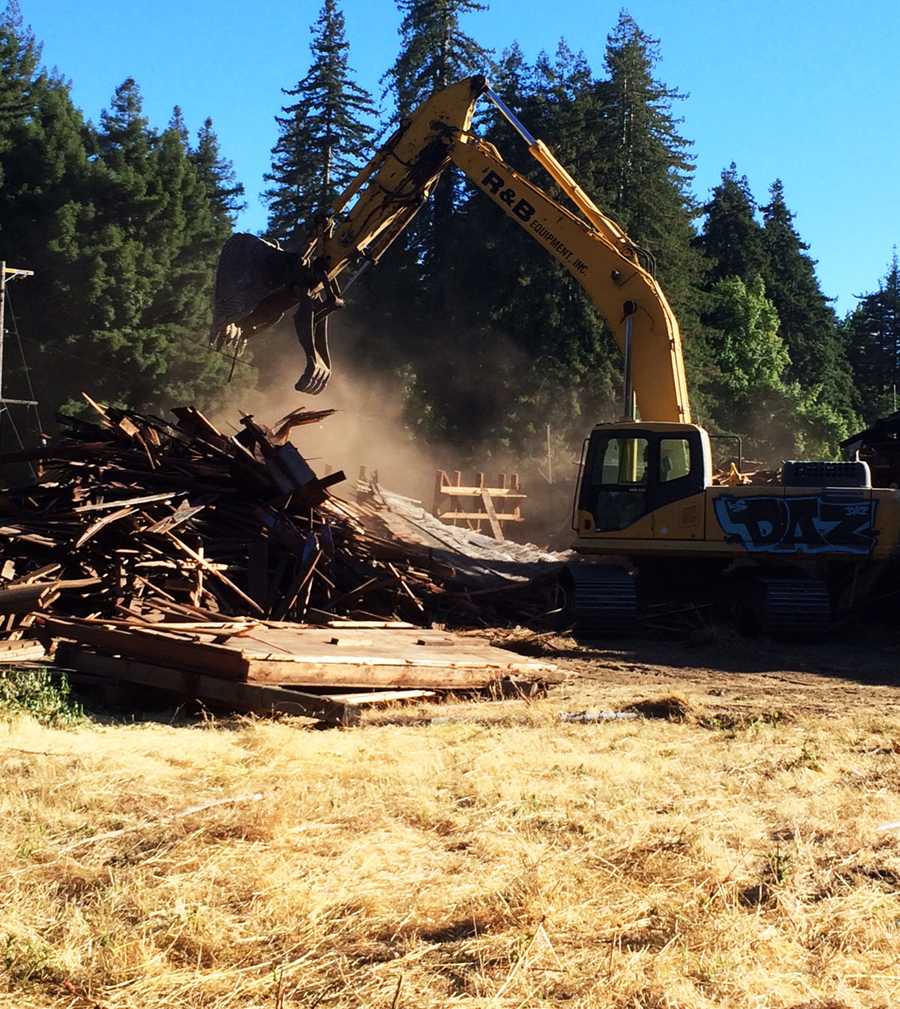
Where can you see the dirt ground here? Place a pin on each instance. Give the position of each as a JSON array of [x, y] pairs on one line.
[[737, 844], [731, 673]]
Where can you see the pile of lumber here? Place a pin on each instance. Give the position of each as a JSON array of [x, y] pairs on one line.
[[135, 517], [330, 674]]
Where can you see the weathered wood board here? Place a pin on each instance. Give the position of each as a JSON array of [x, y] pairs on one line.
[[389, 657], [332, 708], [272, 655]]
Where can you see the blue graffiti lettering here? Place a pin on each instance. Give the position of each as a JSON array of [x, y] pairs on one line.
[[825, 523]]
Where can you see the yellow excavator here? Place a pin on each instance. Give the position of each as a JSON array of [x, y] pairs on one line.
[[649, 510]]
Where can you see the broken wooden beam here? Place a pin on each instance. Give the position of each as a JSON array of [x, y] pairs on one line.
[[244, 697]]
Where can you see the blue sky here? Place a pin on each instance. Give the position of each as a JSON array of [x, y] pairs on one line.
[[803, 90]]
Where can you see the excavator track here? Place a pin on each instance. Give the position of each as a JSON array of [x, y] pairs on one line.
[[605, 600], [791, 607]]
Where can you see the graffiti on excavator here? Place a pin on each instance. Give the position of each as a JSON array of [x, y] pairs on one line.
[[799, 525]]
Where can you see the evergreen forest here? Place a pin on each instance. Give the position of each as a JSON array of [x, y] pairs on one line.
[[121, 221]]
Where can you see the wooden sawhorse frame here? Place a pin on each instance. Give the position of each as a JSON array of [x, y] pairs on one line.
[[482, 509]]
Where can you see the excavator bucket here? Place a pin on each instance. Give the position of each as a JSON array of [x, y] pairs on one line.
[[256, 285], [253, 288]]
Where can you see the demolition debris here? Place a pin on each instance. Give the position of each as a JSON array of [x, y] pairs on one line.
[[138, 529]]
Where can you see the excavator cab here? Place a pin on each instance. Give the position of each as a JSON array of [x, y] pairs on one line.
[[630, 470]]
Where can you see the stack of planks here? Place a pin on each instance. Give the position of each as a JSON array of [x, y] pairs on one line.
[[133, 516], [330, 673]]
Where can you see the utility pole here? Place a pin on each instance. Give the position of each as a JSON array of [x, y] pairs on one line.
[[7, 275], [549, 458]]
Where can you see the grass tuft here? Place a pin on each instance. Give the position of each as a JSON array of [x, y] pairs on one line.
[[36, 691]]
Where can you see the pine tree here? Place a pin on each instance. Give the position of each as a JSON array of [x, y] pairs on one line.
[[145, 246], [20, 77], [120, 230], [43, 169], [226, 194], [125, 137], [324, 135], [808, 322], [647, 173], [177, 123], [731, 236], [872, 337], [642, 172], [20, 56], [435, 51]]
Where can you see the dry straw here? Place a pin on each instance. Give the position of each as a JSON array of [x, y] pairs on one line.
[[680, 861]]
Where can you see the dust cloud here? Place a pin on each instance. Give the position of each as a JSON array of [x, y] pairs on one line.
[[369, 430]]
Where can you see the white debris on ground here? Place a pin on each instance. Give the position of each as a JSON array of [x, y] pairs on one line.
[[472, 554]]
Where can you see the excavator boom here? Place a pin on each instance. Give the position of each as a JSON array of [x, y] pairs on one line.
[[256, 282]]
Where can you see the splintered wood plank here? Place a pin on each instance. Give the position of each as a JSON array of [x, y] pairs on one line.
[[380, 698], [308, 674], [148, 644], [245, 697], [491, 516], [214, 571], [145, 499], [481, 516], [192, 421], [27, 651], [369, 625], [23, 598], [183, 513], [102, 523], [501, 492]]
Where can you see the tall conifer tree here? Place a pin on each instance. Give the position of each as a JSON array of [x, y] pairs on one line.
[[117, 224], [643, 170], [324, 134], [44, 198], [872, 335], [145, 248], [807, 320], [435, 52], [20, 56], [226, 194], [731, 236], [647, 167]]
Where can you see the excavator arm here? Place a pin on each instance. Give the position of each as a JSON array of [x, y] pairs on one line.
[[256, 283]]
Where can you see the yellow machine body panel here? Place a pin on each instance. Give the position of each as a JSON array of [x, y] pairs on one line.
[[606, 266], [665, 505]]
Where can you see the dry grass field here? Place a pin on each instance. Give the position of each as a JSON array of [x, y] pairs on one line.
[[726, 850]]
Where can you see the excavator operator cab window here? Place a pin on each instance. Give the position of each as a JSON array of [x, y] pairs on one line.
[[629, 474], [674, 459], [624, 461], [616, 489]]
